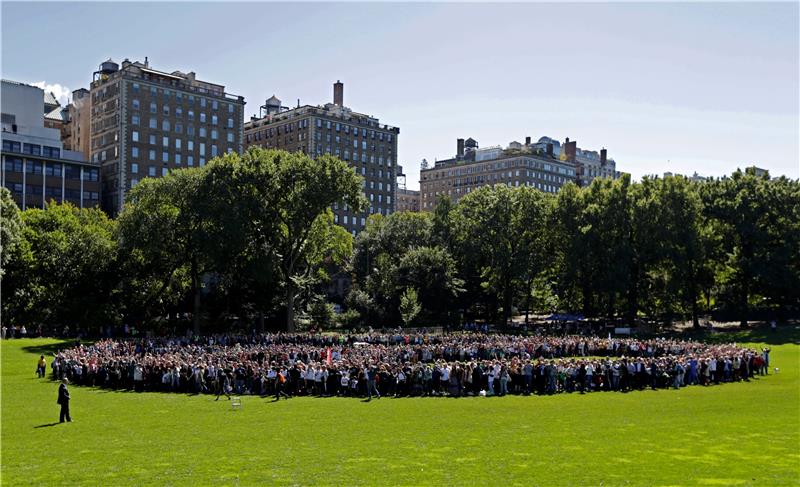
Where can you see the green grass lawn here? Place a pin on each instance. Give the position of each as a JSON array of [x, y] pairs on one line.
[[735, 434]]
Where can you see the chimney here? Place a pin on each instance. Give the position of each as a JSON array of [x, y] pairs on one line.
[[146, 62], [570, 150], [527, 141], [603, 156], [550, 149], [338, 93], [460, 148]]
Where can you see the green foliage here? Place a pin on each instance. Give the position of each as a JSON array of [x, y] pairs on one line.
[[409, 305], [63, 270], [10, 228]]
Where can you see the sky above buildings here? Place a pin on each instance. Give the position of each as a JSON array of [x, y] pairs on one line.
[[704, 87]]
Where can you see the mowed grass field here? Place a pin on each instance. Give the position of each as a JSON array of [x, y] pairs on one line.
[[729, 435]]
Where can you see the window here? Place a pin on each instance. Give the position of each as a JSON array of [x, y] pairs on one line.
[[177, 159], [230, 107], [51, 151], [230, 136], [134, 182], [190, 130], [152, 139], [32, 149], [152, 155], [135, 136], [151, 171], [178, 111], [165, 125], [202, 149], [230, 122], [135, 104], [202, 117], [13, 164], [214, 120], [134, 168], [135, 87], [164, 171], [153, 123], [134, 152], [12, 146], [72, 172], [165, 110], [190, 160], [213, 151], [214, 134], [202, 132], [165, 141], [178, 128], [178, 144], [33, 167], [165, 156], [153, 107], [190, 144], [52, 169], [190, 114]]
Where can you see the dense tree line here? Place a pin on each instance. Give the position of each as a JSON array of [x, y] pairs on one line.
[[250, 239], [663, 249]]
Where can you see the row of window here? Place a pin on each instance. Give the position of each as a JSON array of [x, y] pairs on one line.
[[166, 126], [51, 192], [177, 157], [13, 164], [31, 149], [152, 139], [179, 97], [165, 110], [337, 126]]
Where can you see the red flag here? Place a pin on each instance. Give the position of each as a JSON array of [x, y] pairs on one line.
[[329, 358]]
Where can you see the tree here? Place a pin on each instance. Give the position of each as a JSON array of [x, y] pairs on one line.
[[409, 306], [64, 269], [10, 227], [164, 234], [290, 219], [487, 227]]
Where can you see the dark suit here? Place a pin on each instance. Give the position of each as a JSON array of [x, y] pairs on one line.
[[63, 400]]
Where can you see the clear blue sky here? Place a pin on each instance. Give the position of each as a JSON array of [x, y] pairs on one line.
[[664, 87]]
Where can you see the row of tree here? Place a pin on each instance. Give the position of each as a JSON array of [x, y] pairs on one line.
[[250, 239], [662, 248]]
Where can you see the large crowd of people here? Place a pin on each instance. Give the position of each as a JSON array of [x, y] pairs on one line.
[[375, 365]]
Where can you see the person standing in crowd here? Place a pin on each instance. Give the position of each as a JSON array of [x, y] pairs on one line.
[[280, 383], [371, 373], [63, 401]]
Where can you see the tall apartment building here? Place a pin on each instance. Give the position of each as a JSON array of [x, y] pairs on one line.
[[145, 122], [471, 169], [36, 168], [407, 200], [76, 133], [590, 164], [361, 140]]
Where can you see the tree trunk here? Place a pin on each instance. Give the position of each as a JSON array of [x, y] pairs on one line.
[[743, 306], [529, 299], [261, 322], [196, 300], [290, 308], [695, 310], [506, 301]]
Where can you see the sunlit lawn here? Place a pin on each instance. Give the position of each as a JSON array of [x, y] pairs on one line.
[[734, 434]]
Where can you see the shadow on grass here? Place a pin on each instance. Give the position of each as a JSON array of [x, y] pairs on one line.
[[786, 334], [49, 349], [46, 425]]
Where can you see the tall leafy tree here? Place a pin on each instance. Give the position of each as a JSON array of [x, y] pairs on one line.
[[64, 271]]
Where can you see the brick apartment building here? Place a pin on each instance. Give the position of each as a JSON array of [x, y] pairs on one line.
[[361, 140]]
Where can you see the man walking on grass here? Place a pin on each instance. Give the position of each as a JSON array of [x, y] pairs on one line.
[[63, 400]]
